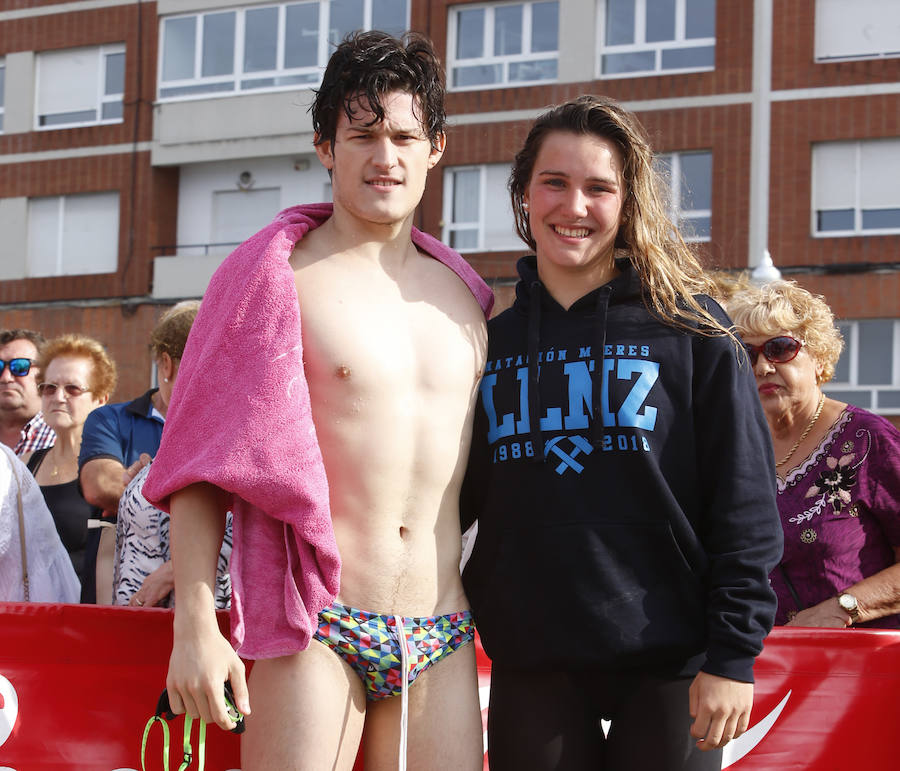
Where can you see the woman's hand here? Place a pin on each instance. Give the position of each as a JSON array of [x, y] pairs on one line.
[[877, 596], [720, 708], [828, 614], [156, 587]]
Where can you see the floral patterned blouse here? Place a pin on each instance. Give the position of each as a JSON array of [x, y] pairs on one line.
[[840, 510]]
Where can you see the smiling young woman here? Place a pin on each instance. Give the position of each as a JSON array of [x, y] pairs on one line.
[[618, 475], [574, 201]]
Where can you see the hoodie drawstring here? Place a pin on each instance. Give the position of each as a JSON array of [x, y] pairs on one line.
[[597, 429], [534, 392]]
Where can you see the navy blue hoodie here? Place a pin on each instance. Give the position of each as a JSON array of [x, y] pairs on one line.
[[634, 524]]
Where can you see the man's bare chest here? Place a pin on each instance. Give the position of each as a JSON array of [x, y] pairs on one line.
[[374, 337]]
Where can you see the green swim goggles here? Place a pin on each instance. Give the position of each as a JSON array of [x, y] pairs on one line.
[[164, 710]]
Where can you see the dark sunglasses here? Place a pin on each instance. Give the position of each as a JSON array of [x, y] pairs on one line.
[[49, 389], [777, 350], [17, 367]]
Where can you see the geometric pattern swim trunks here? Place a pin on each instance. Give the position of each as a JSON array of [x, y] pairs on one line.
[[370, 644]]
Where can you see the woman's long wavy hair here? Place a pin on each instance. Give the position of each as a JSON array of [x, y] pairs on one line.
[[669, 271]]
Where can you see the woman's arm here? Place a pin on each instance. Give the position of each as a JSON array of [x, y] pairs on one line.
[[878, 596]]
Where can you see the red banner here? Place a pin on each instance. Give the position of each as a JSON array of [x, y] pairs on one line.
[[78, 684]]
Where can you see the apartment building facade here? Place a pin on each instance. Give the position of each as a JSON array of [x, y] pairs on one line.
[[139, 141]]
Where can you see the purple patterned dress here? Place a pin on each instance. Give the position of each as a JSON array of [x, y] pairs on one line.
[[840, 510]]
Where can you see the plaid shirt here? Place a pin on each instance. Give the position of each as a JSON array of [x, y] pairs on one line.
[[36, 435]]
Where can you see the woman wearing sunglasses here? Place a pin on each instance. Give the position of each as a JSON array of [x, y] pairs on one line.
[[77, 376], [838, 467]]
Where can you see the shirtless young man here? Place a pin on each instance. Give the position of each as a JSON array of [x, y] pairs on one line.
[[393, 348]]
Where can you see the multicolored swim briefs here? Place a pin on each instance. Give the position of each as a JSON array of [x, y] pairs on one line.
[[371, 644]]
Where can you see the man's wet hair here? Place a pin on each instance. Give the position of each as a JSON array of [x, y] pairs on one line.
[[368, 65]]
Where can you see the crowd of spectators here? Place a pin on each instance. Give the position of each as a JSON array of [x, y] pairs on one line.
[[88, 459], [74, 463]]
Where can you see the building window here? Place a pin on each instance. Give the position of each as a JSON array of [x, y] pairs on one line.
[[2, 93], [862, 29], [264, 47], [71, 235], [690, 192], [641, 37], [80, 86], [868, 372], [238, 214], [503, 44], [855, 190], [477, 212]]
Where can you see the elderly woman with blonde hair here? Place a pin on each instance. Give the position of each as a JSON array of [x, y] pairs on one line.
[[837, 465]]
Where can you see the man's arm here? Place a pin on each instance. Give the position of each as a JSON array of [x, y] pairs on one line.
[[101, 460], [103, 480], [202, 659], [102, 483]]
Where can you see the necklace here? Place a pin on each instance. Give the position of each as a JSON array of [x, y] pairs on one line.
[[806, 431], [52, 456], [59, 463]]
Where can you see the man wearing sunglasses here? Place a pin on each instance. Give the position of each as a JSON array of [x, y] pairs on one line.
[[22, 426]]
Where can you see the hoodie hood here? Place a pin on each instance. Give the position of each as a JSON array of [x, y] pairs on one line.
[[535, 302], [625, 287]]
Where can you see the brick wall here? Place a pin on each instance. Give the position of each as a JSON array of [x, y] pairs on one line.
[[148, 215], [796, 126], [147, 201], [147, 197], [793, 54], [135, 26]]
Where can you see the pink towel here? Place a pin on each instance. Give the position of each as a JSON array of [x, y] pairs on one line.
[[240, 419]]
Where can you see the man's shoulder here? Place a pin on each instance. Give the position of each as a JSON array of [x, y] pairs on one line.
[[139, 406], [455, 262]]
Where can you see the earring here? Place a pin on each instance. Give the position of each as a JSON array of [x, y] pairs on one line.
[[165, 380], [525, 205]]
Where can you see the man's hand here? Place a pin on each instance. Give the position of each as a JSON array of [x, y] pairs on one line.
[[202, 660], [200, 664], [720, 708], [132, 471]]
